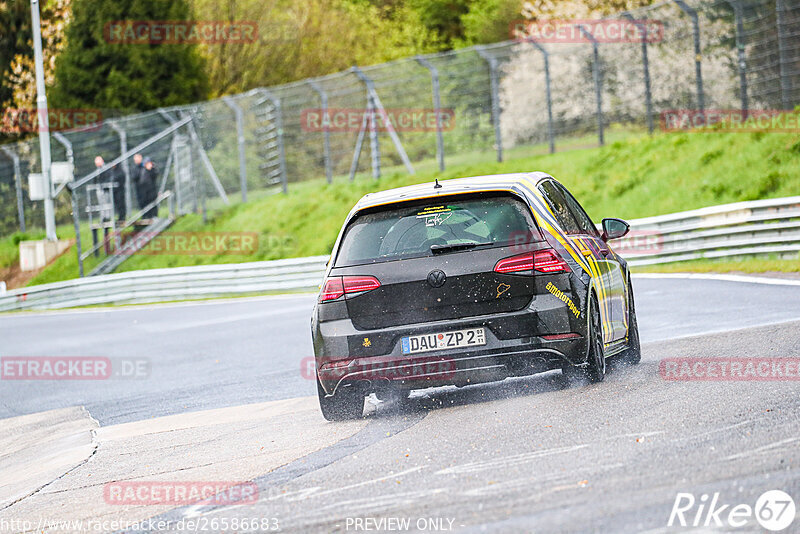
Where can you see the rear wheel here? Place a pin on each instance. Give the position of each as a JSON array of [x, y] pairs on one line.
[[347, 403], [596, 371], [633, 354]]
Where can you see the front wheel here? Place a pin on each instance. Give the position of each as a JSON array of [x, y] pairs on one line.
[[633, 354], [347, 403], [595, 371]]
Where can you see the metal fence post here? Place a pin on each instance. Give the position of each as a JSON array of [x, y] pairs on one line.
[[598, 91], [783, 60], [493, 81], [276, 104], [231, 103], [374, 147], [61, 138], [200, 150], [123, 147], [375, 106], [648, 93], [17, 184], [437, 108], [698, 65], [742, 63], [77, 224], [550, 129], [281, 150], [326, 131]]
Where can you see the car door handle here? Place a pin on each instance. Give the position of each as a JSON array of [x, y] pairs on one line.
[[586, 252]]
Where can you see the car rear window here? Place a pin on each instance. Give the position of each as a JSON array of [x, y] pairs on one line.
[[409, 231]]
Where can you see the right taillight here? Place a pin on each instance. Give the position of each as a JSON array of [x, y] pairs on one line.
[[543, 261], [548, 261]]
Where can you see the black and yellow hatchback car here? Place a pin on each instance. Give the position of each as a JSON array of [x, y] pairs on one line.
[[468, 281]]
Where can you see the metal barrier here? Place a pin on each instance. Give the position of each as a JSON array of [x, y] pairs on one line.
[[746, 228], [183, 283], [708, 54], [755, 227]]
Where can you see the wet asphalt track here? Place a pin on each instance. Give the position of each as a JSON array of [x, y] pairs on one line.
[[232, 352], [532, 454]]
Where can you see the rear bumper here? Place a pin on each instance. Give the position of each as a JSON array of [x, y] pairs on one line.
[[435, 369], [348, 357]]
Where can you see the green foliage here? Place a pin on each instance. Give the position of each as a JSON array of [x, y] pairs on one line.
[[490, 21], [15, 29], [634, 176], [311, 38], [95, 73]]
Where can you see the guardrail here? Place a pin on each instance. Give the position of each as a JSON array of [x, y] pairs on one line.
[[756, 227], [182, 283], [745, 228]]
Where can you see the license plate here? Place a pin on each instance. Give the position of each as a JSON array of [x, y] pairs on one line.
[[445, 340]]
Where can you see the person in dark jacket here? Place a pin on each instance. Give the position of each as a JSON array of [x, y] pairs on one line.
[[148, 181], [118, 178]]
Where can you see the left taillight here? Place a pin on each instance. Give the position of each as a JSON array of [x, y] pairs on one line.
[[332, 289], [336, 287]]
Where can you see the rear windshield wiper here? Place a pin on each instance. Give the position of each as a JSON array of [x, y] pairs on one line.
[[442, 249]]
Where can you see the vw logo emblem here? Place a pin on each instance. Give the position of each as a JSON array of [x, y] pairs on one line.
[[436, 278]]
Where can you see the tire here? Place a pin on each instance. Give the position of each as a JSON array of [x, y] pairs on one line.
[[596, 370], [633, 354], [347, 404]]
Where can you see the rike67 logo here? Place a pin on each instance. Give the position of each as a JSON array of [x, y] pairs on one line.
[[774, 510]]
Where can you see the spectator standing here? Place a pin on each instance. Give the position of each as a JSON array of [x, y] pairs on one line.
[[149, 189]]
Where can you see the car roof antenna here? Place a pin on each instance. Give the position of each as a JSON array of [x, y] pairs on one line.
[[438, 185]]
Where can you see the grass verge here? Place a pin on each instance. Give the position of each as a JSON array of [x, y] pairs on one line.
[[634, 176]]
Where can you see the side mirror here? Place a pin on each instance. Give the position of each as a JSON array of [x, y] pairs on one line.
[[614, 229]]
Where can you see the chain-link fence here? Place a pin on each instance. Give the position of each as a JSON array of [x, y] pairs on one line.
[[720, 54]]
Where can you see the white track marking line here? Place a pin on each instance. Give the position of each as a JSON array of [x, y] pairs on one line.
[[221, 320], [636, 435], [159, 305], [716, 430], [705, 333], [723, 278], [304, 494], [301, 495], [765, 448], [506, 461]]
